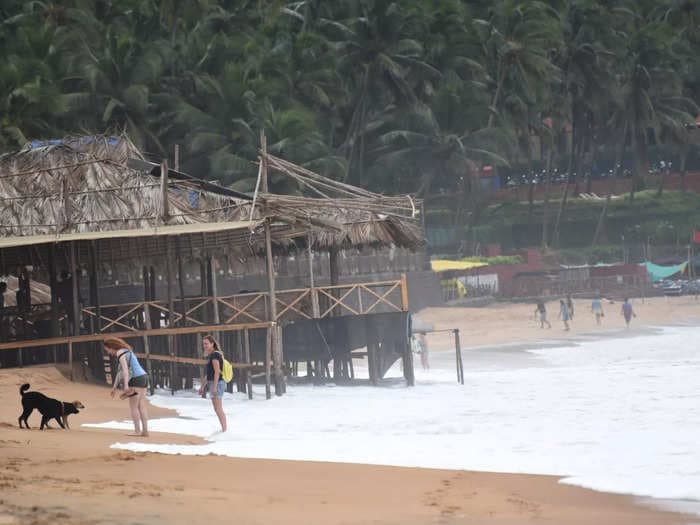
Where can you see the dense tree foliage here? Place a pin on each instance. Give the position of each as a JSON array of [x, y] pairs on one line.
[[409, 96]]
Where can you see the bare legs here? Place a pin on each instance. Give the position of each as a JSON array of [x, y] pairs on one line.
[[219, 409], [139, 412]]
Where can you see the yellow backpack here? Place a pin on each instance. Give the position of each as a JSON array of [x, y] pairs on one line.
[[227, 369]]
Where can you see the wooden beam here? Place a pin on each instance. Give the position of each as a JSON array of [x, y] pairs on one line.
[[404, 293], [133, 334]]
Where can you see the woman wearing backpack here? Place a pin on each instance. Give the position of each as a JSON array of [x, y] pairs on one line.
[[134, 381], [215, 382]]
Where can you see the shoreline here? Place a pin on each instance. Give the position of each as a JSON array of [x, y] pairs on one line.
[[82, 479]]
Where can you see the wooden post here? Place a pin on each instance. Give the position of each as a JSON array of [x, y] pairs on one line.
[[404, 293], [70, 359], [171, 309], [214, 289], [272, 303], [94, 288], [51, 267], [95, 358], [268, 355], [458, 357], [146, 341], [246, 357], [181, 282], [314, 293], [164, 190], [372, 349], [76, 297]]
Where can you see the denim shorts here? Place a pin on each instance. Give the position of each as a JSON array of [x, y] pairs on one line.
[[220, 388]]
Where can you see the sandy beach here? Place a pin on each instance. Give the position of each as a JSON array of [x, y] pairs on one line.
[[73, 477], [506, 323]]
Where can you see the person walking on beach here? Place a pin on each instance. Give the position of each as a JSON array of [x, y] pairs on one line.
[[423, 350], [627, 311], [541, 312], [215, 383], [564, 314], [134, 381], [597, 309], [570, 306]]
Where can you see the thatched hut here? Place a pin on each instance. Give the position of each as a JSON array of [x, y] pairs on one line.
[[73, 207]]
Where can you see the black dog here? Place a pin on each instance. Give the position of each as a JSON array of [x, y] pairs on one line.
[[49, 408]]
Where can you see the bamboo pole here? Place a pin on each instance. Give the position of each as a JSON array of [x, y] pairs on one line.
[[164, 190], [314, 293], [272, 304]]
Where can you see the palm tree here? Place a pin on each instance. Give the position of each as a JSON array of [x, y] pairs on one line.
[[518, 39], [651, 88], [381, 60]]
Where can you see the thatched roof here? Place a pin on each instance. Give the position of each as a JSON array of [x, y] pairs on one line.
[[361, 217], [101, 188], [80, 185]]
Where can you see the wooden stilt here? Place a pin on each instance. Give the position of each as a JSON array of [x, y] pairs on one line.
[[51, 267], [70, 360], [408, 370], [147, 343], [268, 359], [314, 294], [277, 353], [181, 283], [172, 341], [75, 279], [246, 357]]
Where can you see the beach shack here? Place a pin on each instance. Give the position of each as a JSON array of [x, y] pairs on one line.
[[76, 212]]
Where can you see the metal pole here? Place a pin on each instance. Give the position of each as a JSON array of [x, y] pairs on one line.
[[458, 356]]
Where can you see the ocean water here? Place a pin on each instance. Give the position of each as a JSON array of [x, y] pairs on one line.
[[614, 414]]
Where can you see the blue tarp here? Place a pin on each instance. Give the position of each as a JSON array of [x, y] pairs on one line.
[[658, 273]]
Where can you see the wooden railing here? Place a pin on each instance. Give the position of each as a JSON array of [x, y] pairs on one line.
[[302, 303]]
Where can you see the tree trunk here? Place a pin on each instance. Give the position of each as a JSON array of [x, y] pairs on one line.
[[496, 95], [601, 220], [640, 160], [547, 189]]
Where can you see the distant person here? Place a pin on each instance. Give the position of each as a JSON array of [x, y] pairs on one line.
[[564, 314], [134, 381], [627, 311], [570, 306], [541, 312], [597, 309], [23, 295], [215, 383], [423, 350]]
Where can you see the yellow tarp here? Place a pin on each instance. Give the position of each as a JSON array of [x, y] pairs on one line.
[[441, 265]]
